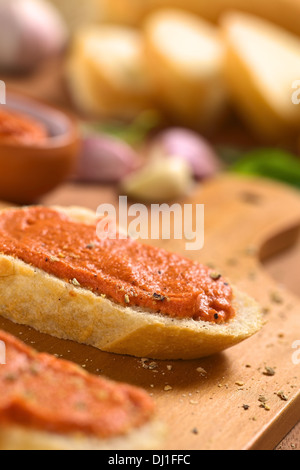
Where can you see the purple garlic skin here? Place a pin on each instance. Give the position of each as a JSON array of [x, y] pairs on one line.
[[104, 159], [192, 148], [30, 31]]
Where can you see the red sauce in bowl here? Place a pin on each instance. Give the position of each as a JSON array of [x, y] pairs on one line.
[[17, 128]]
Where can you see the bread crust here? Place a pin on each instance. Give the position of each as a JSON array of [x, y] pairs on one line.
[[146, 437], [29, 296]]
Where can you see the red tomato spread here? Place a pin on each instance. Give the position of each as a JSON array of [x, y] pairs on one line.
[[20, 129], [44, 393], [125, 271]]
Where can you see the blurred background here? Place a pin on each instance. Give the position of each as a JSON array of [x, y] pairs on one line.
[[164, 92]]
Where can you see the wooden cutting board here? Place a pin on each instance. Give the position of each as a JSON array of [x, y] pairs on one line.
[[245, 222]]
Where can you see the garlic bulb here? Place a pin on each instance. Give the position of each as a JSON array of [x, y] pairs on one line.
[[30, 31]]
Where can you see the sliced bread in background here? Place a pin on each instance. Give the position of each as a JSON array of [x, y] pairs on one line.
[[185, 63], [262, 63], [107, 72]]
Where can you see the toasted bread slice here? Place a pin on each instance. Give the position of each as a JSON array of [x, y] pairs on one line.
[[185, 61], [32, 297], [263, 62], [106, 71]]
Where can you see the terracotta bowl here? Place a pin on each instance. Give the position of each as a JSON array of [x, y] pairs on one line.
[[29, 172]]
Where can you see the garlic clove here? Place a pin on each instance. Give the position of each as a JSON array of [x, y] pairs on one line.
[[190, 147], [160, 180], [105, 159]]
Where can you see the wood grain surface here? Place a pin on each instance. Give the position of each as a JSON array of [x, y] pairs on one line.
[[284, 268], [246, 222]]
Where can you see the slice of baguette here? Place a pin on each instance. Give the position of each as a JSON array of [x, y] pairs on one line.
[[107, 73], [185, 62], [32, 297], [79, 82], [18, 428], [262, 63]]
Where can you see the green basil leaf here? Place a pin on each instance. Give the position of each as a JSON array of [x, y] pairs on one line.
[[270, 163], [135, 132]]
